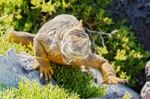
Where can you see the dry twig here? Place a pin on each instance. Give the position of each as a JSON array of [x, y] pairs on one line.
[[91, 32]]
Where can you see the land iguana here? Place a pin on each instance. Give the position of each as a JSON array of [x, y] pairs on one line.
[[63, 40]]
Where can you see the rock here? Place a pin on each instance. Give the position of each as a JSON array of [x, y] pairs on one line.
[[117, 91], [13, 69], [114, 91], [147, 71], [16, 67], [145, 92]]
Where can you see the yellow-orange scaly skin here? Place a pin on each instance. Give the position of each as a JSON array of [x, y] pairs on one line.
[[49, 46]]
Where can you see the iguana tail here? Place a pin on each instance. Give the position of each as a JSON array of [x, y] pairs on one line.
[[23, 38]]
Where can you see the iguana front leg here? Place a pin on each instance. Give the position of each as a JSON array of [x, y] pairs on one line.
[[42, 62], [98, 62], [109, 75]]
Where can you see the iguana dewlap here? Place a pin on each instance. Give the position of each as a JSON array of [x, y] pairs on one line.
[[63, 40]]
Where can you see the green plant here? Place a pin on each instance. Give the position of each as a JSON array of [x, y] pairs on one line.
[[29, 15], [126, 96], [74, 80], [126, 55], [32, 90]]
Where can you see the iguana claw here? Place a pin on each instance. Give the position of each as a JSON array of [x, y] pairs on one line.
[[45, 73]]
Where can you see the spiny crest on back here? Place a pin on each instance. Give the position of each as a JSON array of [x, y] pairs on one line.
[[80, 25]]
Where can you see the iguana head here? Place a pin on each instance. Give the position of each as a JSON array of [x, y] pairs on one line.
[[76, 43]]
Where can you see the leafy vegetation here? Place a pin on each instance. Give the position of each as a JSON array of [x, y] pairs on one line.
[[125, 54], [120, 48], [76, 81], [32, 90]]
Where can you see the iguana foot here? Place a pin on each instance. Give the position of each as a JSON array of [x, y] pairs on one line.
[[114, 80], [45, 73]]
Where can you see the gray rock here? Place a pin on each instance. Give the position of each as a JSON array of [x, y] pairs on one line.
[[117, 91], [145, 92], [114, 91], [14, 68], [147, 71]]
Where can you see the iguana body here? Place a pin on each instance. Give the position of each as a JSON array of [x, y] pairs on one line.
[[63, 40]]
